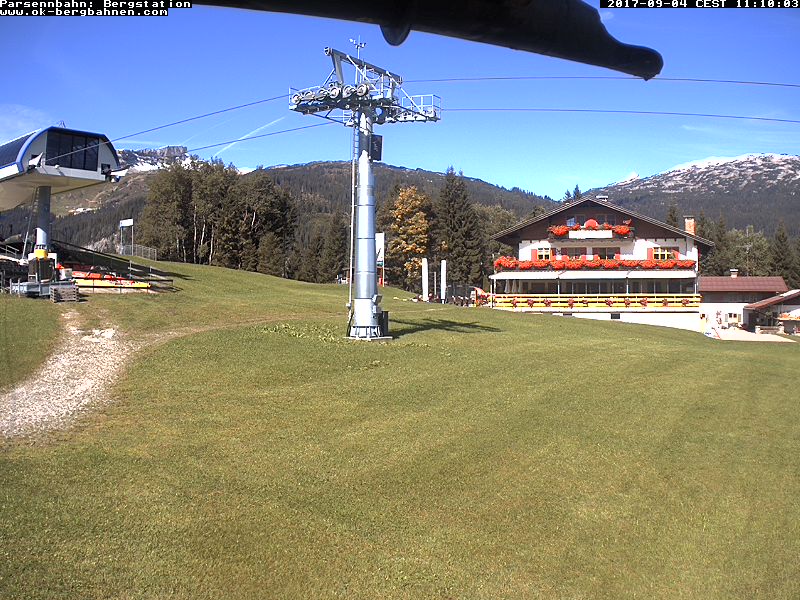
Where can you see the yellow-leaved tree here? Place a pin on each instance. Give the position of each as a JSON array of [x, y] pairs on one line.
[[410, 229]]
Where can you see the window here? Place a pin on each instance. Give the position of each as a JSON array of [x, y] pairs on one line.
[[609, 218], [665, 253], [543, 253], [576, 220], [574, 252], [72, 151], [607, 253]]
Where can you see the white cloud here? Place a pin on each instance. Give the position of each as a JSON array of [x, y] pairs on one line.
[[606, 16], [17, 120]]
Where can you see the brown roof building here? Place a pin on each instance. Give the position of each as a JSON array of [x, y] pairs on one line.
[[764, 285]]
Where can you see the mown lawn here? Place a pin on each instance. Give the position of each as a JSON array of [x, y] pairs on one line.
[[478, 455], [29, 330]]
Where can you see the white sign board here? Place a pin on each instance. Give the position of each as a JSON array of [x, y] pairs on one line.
[[126, 223], [379, 240]]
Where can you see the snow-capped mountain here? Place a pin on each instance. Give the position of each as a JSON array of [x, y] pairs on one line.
[[140, 161], [754, 189]]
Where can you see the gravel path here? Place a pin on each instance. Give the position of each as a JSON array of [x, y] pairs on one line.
[[77, 375]]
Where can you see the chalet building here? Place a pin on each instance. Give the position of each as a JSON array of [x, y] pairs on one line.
[[593, 259], [782, 310], [725, 300]]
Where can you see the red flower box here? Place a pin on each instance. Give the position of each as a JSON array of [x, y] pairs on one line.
[[629, 264], [621, 229], [525, 265], [540, 264], [593, 264], [557, 264], [648, 264], [558, 230], [685, 264], [610, 264], [667, 264]]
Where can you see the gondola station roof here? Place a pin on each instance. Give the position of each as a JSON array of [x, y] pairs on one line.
[[63, 159]]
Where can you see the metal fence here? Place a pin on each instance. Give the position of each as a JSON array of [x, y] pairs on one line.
[[137, 250]]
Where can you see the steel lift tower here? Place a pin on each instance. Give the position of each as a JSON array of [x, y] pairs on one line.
[[374, 97]]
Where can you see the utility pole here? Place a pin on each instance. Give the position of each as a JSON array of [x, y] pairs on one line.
[[376, 98]]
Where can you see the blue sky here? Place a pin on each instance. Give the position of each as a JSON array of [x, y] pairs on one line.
[[120, 75]]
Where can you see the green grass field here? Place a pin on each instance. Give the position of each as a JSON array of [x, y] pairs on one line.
[[28, 332], [478, 455]]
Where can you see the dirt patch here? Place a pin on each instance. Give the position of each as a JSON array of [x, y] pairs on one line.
[[79, 373]]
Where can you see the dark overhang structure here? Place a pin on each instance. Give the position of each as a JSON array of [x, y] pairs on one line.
[[568, 29]]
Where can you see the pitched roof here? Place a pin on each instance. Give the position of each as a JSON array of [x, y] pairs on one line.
[[770, 285], [604, 204], [779, 299]]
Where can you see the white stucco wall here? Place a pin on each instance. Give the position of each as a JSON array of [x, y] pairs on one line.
[[636, 249]]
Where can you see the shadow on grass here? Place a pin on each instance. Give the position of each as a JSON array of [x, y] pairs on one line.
[[411, 327]]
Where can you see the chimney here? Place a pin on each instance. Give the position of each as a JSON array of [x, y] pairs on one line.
[[734, 273], [688, 225]]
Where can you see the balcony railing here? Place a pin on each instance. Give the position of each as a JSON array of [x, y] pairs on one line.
[[597, 302], [509, 263], [575, 232]]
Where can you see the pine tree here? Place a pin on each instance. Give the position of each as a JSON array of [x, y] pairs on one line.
[[333, 259], [271, 256], [308, 268], [458, 235], [783, 260], [165, 220], [410, 239], [576, 193], [673, 218]]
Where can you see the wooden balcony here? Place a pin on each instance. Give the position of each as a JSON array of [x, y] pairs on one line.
[[597, 302]]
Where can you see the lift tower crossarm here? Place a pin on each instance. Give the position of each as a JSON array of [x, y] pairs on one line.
[[337, 56]]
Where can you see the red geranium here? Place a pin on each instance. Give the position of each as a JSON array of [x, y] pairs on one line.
[[629, 264], [557, 264], [610, 263], [558, 230], [621, 229], [685, 264], [648, 264], [576, 227], [667, 264], [525, 265], [606, 226], [506, 263], [540, 264], [575, 264], [593, 264]]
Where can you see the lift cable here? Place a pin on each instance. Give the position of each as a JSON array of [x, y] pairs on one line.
[[624, 112], [254, 137]]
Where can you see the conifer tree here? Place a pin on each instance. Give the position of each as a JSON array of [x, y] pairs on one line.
[[271, 255], [165, 221], [458, 235], [673, 218], [783, 260], [333, 259]]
